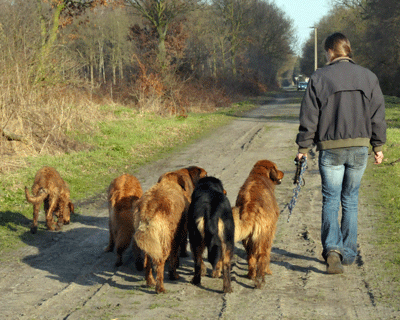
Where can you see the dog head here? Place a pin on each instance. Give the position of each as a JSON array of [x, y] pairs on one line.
[[269, 169], [211, 183], [175, 177], [68, 210], [196, 173], [186, 178]]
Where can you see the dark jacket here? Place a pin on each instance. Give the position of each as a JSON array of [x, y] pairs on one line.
[[343, 106]]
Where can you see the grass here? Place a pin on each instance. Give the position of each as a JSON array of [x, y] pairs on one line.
[[116, 146], [386, 178]]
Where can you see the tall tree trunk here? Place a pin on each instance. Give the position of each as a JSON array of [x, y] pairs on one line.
[[121, 69], [48, 39], [161, 54]]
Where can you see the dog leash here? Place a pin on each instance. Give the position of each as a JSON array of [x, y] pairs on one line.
[[301, 166]]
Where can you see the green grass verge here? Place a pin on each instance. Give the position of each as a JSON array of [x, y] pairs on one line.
[[386, 178], [121, 145]]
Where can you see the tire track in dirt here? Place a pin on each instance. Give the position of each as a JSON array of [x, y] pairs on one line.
[[66, 275]]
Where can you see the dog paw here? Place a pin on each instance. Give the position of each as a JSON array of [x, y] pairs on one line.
[[203, 269], [183, 254], [160, 289], [216, 274], [108, 249], [139, 265], [173, 276], [150, 283], [251, 275], [51, 226], [227, 289], [259, 282], [196, 280]]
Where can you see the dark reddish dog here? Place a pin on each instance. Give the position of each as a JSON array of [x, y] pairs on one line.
[[187, 174], [256, 215], [123, 193], [159, 221], [211, 225], [51, 189]]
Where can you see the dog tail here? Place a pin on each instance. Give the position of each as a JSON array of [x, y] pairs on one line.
[[214, 233], [150, 237], [42, 194], [242, 229]]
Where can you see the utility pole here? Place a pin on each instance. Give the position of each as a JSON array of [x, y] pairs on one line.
[[315, 48]]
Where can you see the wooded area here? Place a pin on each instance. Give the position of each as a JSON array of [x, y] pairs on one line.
[[62, 60], [373, 27]]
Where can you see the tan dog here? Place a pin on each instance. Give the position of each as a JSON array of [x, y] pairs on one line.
[[160, 221], [51, 189], [123, 193], [256, 215], [187, 174]]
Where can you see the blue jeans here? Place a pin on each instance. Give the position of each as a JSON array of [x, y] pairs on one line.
[[341, 172]]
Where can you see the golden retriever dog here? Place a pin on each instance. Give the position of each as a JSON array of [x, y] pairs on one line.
[[50, 188], [256, 214], [123, 193], [160, 222]]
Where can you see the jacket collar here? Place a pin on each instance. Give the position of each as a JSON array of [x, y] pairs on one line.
[[340, 59]]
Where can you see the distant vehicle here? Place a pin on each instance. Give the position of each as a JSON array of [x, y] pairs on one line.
[[302, 86]]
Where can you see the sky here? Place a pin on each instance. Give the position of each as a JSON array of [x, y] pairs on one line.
[[304, 13]]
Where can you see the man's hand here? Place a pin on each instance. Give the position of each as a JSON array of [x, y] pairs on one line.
[[378, 157], [301, 155]]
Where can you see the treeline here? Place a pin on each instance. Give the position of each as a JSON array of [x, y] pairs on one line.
[[373, 27], [61, 59], [117, 41]]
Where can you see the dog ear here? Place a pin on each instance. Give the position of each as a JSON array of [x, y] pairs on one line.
[[71, 207], [160, 178], [182, 183], [275, 175], [196, 173]]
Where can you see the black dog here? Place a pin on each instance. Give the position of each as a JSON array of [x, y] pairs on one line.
[[210, 223]]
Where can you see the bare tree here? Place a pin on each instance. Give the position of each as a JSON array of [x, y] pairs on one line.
[[353, 4], [161, 14], [236, 16], [61, 14]]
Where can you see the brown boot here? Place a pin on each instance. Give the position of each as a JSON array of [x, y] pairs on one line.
[[334, 263]]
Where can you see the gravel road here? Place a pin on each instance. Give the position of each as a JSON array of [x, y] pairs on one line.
[[66, 275]]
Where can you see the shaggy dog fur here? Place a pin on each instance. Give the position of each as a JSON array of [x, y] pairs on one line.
[[160, 221], [210, 224], [256, 215], [51, 189], [123, 193]]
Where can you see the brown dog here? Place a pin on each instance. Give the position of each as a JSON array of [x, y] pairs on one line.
[[51, 189], [160, 219], [123, 193], [256, 215], [187, 174]]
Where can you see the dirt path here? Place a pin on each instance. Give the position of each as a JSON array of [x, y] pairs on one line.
[[67, 275]]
